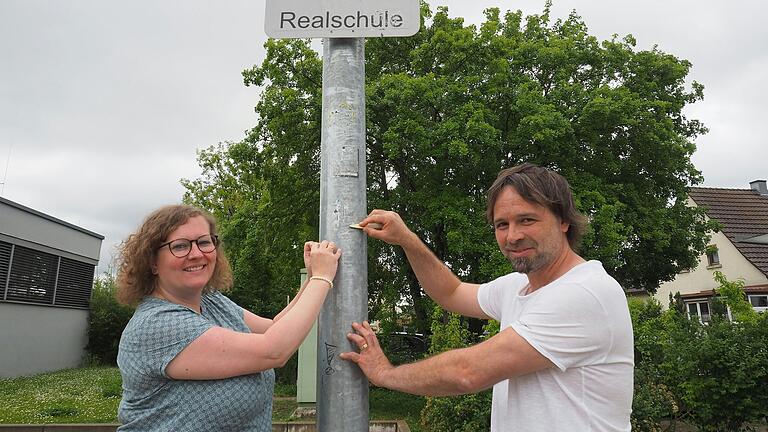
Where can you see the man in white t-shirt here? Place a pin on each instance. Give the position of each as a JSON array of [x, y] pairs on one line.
[[563, 358]]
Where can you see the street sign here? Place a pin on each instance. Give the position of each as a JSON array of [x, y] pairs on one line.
[[341, 18]]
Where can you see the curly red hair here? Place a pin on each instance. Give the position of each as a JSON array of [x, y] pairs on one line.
[[138, 252]]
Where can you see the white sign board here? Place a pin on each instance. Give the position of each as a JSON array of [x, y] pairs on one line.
[[341, 18]]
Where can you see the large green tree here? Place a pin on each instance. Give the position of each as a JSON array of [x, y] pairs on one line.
[[446, 110]]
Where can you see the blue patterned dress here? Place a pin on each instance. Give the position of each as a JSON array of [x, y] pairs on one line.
[[152, 401]]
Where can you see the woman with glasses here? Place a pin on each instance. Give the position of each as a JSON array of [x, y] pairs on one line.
[[190, 358]]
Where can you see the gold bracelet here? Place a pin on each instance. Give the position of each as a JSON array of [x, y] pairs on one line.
[[330, 282]]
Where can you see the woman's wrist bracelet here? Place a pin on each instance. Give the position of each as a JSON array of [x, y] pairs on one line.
[[330, 282]]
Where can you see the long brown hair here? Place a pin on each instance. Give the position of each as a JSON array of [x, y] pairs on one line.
[[135, 278], [545, 188]]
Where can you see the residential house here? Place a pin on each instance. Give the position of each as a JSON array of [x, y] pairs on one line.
[[739, 250]]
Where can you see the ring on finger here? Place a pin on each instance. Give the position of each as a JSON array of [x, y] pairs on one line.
[[364, 347]]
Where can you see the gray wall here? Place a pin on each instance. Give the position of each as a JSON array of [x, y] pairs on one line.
[[28, 227], [35, 339]]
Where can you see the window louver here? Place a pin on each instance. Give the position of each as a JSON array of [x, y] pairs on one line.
[[32, 276]]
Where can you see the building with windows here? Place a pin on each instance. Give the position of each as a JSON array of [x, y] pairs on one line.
[[739, 250], [46, 275]]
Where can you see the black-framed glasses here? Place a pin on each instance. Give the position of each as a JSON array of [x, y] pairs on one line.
[[182, 247]]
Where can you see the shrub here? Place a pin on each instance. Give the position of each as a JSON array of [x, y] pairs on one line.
[[715, 373], [466, 413], [106, 321], [718, 372], [470, 412], [649, 327], [712, 376], [653, 401]]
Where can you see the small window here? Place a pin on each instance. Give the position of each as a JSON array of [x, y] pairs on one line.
[[713, 258], [759, 302], [699, 309]]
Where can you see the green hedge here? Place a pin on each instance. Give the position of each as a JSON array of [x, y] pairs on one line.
[[106, 322], [713, 376], [465, 413]]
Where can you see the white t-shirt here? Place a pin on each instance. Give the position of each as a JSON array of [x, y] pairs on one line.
[[581, 323]]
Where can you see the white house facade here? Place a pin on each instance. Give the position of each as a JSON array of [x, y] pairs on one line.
[[739, 250]]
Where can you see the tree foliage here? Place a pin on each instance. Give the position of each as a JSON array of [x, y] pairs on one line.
[[264, 190], [446, 110]]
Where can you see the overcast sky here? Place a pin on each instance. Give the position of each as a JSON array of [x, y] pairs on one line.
[[103, 104]]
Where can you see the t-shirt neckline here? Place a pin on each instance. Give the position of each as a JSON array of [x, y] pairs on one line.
[[521, 292]]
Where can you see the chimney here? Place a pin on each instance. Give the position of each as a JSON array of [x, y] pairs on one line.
[[759, 186]]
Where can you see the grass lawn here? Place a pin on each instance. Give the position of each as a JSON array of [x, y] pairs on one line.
[[91, 395], [88, 395]]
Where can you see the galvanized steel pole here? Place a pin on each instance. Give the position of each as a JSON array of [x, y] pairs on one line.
[[342, 402]]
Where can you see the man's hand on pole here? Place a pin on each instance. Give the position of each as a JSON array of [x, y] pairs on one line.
[[387, 226], [371, 358]]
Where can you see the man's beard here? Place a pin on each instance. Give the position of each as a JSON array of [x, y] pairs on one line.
[[529, 264]]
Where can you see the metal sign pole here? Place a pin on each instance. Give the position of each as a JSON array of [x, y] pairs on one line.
[[342, 397], [342, 403]]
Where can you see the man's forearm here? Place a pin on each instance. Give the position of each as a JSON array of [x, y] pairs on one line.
[[445, 374], [434, 276]]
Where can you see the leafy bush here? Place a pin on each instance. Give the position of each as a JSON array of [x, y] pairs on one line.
[[653, 401], [466, 413], [650, 328], [712, 376], [718, 373], [106, 321]]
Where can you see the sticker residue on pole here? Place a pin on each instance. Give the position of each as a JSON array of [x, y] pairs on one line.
[[343, 124]]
